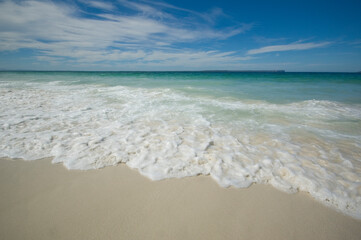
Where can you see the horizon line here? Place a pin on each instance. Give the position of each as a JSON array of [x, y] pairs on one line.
[[190, 71]]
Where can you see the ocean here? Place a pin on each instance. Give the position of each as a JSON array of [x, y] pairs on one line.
[[294, 131]]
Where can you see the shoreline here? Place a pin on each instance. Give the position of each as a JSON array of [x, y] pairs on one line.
[[41, 200]]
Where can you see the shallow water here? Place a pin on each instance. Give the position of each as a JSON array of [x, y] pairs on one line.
[[295, 131]]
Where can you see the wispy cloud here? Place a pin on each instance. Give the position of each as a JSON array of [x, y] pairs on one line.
[[287, 47], [356, 43], [264, 40], [189, 58], [62, 32], [146, 9], [156, 7], [99, 4]]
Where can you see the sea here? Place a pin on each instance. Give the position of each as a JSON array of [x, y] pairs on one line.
[[294, 131]]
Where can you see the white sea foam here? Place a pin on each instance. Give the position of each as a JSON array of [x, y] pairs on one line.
[[304, 146]]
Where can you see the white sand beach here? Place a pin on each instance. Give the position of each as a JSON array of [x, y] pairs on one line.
[[40, 200]]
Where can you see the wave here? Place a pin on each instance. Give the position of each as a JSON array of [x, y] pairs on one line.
[[311, 146]]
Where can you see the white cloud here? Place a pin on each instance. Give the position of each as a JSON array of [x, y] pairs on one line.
[[194, 57], [287, 47], [59, 32], [146, 10], [139, 57], [101, 5]]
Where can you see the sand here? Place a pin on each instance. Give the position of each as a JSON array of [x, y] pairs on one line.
[[40, 200]]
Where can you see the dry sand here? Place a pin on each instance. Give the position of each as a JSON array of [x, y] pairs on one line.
[[40, 200]]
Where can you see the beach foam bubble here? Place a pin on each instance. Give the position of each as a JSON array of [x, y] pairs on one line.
[[312, 146]]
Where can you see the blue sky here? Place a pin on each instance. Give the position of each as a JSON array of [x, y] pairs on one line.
[[180, 35]]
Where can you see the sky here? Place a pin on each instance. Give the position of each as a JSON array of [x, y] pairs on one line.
[[144, 35]]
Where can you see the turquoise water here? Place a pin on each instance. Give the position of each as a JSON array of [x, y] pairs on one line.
[[294, 131], [272, 87]]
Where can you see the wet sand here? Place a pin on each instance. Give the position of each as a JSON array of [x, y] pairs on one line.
[[40, 200]]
